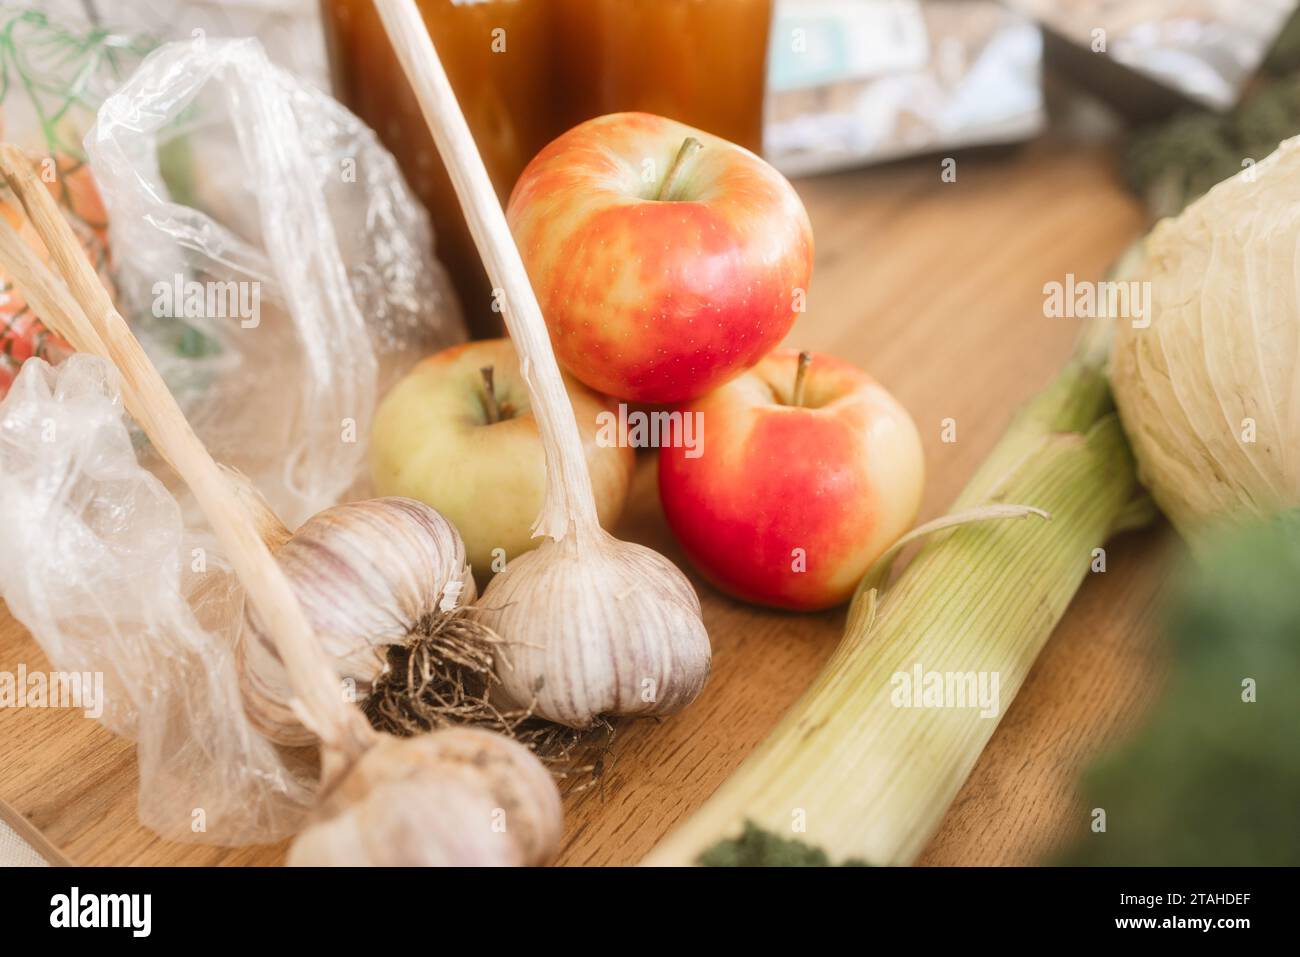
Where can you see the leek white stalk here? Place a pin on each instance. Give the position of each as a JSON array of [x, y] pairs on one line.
[[850, 770]]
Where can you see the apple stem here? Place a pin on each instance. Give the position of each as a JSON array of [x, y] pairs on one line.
[[690, 146], [490, 396], [801, 378]]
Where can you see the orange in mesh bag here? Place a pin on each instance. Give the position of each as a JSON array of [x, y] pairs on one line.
[[22, 334]]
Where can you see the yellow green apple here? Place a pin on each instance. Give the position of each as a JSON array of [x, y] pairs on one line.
[[472, 450]]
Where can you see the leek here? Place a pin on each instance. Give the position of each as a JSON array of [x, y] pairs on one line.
[[850, 771]]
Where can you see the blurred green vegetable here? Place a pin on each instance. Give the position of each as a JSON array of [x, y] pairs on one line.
[[1265, 119], [1284, 57], [1214, 776], [759, 848], [1171, 163], [1174, 162]]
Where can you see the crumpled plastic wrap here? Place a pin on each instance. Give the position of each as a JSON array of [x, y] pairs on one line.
[[216, 168], [292, 199], [97, 562]]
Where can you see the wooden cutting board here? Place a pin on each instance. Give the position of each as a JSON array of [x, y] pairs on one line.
[[937, 289]]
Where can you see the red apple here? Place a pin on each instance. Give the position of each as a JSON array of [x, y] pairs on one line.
[[666, 260], [795, 490]]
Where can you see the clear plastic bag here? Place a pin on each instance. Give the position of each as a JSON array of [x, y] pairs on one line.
[[215, 168], [297, 224], [97, 562]]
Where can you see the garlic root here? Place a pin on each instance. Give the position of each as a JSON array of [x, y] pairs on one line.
[[367, 574]]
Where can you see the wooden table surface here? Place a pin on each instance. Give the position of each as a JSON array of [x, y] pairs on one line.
[[936, 289]]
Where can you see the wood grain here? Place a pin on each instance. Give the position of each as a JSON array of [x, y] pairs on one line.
[[936, 288]]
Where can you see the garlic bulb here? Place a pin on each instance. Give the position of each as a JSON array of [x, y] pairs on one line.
[[1209, 390], [456, 797], [597, 627], [592, 626], [367, 575]]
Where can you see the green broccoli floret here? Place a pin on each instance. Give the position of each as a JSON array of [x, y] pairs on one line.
[[1172, 164], [759, 848], [1175, 161], [1267, 118]]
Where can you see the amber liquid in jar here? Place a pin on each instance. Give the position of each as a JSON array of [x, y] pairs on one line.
[[524, 71], [497, 57], [701, 62]]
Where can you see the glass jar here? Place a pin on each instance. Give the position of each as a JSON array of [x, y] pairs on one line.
[[497, 57], [701, 62], [524, 71]]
